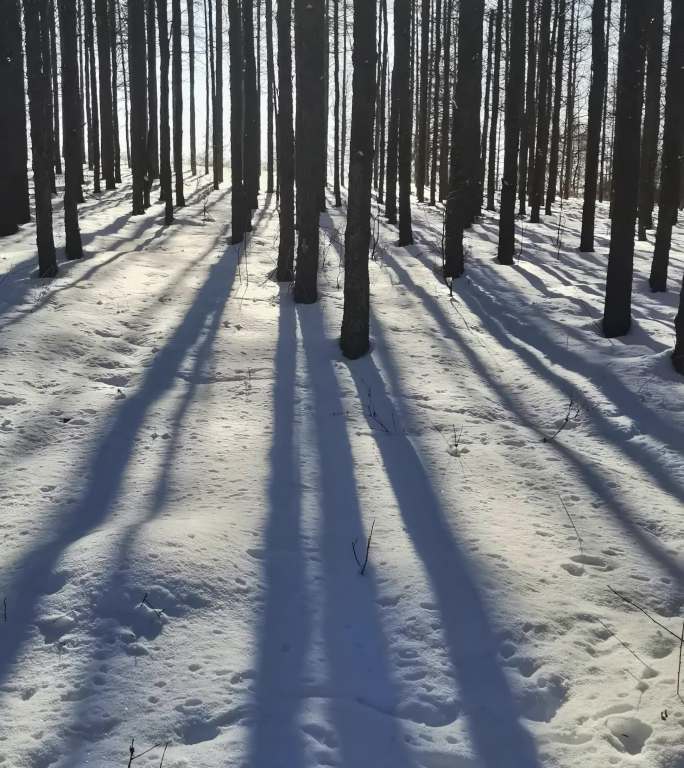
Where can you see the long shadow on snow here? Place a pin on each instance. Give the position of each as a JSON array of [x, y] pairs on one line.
[[105, 472], [499, 739], [593, 480], [360, 689]]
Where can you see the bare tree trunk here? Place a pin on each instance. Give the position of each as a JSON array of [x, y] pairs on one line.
[[125, 88], [488, 88], [252, 134], [111, 11], [218, 97], [191, 66], [94, 128], [270, 88], [56, 136], [491, 177], [105, 76], [392, 151], [402, 46], [177, 94], [435, 102], [354, 339], [382, 117], [285, 136], [539, 174], [446, 107], [238, 195], [345, 32], [164, 120], [336, 75], [152, 99], [601, 187], [530, 122], [570, 102], [557, 94], [138, 75]]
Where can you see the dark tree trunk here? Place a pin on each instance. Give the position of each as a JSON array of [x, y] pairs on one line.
[[488, 89], [570, 103], [446, 107], [56, 135], [465, 183], [402, 48], [345, 32], [617, 312], [177, 95], [125, 87], [382, 117], [252, 135], [94, 128], [105, 77], [515, 95], [354, 339], [14, 190], [111, 10], [286, 149], [435, 101], [649, 138], [191, 68], [152, 107], [89, 143], [529, 131], [392, 152], [310, 58], [238, 196], [539, 174], [270, 88], [336, 76], [36, 21], [137, 76], [422, 127], [555, 120], [218, 98], [491, 177], [599, 73], [81, 91], [673, 145], [164, 121], [602, 164], [70, 122]]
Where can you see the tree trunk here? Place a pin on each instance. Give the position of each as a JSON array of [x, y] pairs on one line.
[[555, 121], [649, 139], [152, 107], [218, 98], [617, 310], [422, 126], [488, 89], [336, 76], [56, 135], [14, 190], [238, 196], [310, 58], [70, 123], [177, 95], [602, 165], [164, 121], [105, 77], [191, 68], [435, 102], [115, 89], [539, 173], [491, 177], [94, 129], [392, 151], [137, 75], [286, 149], [125, 88], [673, 141], [599, 72], [354, 339], [252, 135], [343, 148], [446, 107], [515, 95], [382, 117], [36, 21], [270, 88], [570, 103], [530, 121], [402, 48]]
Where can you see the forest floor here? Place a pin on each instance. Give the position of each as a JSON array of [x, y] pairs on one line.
[[186, 460]]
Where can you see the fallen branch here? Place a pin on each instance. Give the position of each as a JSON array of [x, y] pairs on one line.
[[368, 543], [569, 415]]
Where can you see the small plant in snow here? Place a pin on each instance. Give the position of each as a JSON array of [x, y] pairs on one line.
[[362, 566]]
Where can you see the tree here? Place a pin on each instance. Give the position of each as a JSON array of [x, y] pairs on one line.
[[515, 94], [422, 127], [152, 100], [336, 77], [530, 120], [177, 97], [539, 171], [218, 97], [570, 103], [252, 134], [270, 98], [111, 11], [137, 77], [488, 89], [446, 108], [56, 143], [164, 122], [670, 180], [14, 194], [285, 137], [94, 127], [70, 123], [649, 136], [310, 61], [354, 340], [238, 198], [392, 167], [617, 309], [402, 47], [105, 77], [555, 120], [435, 104], [491, 177], [599, 73], [38, 76]]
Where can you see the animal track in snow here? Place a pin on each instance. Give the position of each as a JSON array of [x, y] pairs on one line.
[[628, 734]]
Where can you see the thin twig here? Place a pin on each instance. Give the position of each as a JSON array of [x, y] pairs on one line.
[[624, 645], [679, 665], [163, 753], [646, 613], [368, 543], [579, 538]]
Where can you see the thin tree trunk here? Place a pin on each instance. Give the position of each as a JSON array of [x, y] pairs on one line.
[[539, 172], [515, 95], [530, 122], [488, 88], [436, 99], [191, 66], [105, 77], [555, 123], [402, 47], [56, 135], [218, 98], [382, 117], [125, 88], [137, 75], [601, 187], [152, 99], [599, 73], [422, 121], [166, 193], [270, 107], [286, 149], [94, 128], [491, 177], [446, 106], [207, 95], [115, 90], [392, 151], [252, 134], [336, 76], [354, 339], [238, 195], [177, 96], [570, 102], [36, 24], [617, 310], [70, 123], [673, 141], [343, 148]]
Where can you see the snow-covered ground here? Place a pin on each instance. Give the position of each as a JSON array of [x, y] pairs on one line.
[[186, 459]]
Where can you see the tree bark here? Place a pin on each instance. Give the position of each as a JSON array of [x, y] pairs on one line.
[[491, 177], [137, 76], [56, 135], [539, 173], [354, 339], [152, 98], [111, 10], [177, 94], [530, 120], [392, 152], [105, 78], [435, 102], [570, 103], [422, 127], [252, 134], [191, 68], [488, 89], [446, 107], [515, 95], [402, 47], [270, 88], [238, 195], [336, 76], [164, 121], [617, 311], [286, 149], [218, 98], [555, 121], [94, 128]]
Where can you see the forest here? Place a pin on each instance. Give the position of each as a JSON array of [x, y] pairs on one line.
[[342, 383]]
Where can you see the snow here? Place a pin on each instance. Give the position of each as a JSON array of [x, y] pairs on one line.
[[186, 459]]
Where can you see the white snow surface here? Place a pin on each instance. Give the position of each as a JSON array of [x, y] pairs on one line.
[[174, 428]]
